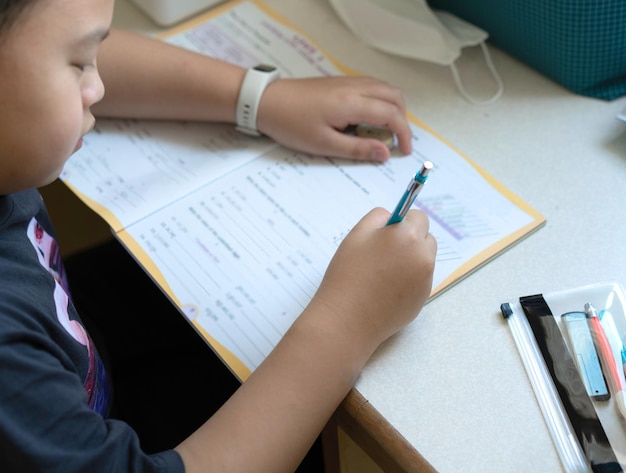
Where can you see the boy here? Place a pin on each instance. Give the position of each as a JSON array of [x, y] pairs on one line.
[[55, 393]]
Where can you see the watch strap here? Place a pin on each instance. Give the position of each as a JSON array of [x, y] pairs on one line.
[[254, 84]]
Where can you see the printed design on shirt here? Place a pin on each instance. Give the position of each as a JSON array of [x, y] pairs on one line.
[[96, 383]]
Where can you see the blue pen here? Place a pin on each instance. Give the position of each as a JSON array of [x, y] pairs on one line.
[[412, 190]]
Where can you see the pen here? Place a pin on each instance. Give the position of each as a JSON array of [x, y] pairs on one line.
[[613, 371], [412, 190], [617, 345]]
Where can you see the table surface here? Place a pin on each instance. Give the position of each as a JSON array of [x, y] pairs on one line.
[[452, 383]]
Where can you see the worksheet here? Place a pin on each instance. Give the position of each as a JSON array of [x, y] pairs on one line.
[[238, 231]]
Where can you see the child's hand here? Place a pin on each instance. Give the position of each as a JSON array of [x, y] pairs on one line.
[[379, 279], [309, 115]]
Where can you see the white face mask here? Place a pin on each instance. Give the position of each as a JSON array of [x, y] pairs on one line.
[[410, 28]]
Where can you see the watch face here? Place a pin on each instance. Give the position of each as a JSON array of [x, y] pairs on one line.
[[264, 68]]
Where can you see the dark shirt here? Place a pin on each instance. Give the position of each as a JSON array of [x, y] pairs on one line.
[[54, 391]]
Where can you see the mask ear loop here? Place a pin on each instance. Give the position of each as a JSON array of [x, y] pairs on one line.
[[494, 73]]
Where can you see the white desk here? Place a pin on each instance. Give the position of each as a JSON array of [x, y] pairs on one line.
[[452, 383]]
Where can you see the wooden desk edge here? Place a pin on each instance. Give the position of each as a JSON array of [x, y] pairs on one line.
[[376, 436]]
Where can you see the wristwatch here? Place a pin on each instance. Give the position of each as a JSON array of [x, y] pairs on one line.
[[252, 88]]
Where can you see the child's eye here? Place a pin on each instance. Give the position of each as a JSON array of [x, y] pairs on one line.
[[82, 66]]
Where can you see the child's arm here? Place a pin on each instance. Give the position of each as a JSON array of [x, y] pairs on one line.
[[377, 282], [147, 78]]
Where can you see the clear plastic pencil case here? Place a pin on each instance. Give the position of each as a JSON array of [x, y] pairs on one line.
[[572, 346]]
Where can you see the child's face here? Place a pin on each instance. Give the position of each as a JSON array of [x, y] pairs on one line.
[[48, 81]]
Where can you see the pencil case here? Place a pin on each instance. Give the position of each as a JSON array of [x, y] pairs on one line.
[[571, 343]]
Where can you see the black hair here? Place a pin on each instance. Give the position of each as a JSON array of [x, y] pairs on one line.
[[10, 11]]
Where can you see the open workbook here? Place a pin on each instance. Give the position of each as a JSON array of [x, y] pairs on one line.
[[238, 230]]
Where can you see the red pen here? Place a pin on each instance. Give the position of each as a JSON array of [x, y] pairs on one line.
[[603, 347]]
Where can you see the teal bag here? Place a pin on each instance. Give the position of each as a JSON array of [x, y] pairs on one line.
[[580, 44]]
